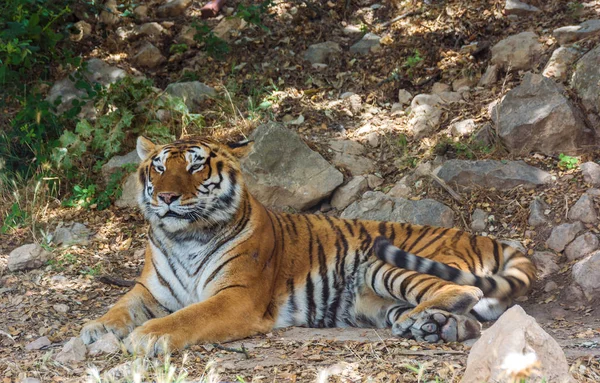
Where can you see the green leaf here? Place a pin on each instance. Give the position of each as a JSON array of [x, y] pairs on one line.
[[84, 128]]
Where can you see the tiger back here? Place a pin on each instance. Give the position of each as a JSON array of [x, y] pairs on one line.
[[220, 266]]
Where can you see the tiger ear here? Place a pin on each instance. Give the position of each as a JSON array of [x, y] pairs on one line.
[[144, 147], [241, 148]]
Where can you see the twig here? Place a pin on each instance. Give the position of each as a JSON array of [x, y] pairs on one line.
[[115, 281], [443, 184], [402, 16], [241, 350]]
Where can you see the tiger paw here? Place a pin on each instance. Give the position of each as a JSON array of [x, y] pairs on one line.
[[435, 326], [94, 330], [153, 338]]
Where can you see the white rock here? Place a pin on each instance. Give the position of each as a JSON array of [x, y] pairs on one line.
[[149, 56], [571, 33], [73, 351], [536, 213], [129, 193], [26, 257], [463, 128], [369, 43], [73, 233], [518, 342], [61, 308], [440, 87], [320, 53], [582, 246], [374, 181], [583, 210], [563, 234], [489, 77], [373, 139], [479, 220]]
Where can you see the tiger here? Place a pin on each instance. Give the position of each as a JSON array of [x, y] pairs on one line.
[[220, 266]]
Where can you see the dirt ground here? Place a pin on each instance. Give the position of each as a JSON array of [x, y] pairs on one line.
[[273, 66]]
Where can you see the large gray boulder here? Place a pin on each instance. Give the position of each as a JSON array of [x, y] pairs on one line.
[[380, 207], [586, 80], [282, 171], [97, 71], [536, 116], [502, 175], [517, 52], [516, 337], [571, 33], [192, 93], [586, 273], [26, 257]]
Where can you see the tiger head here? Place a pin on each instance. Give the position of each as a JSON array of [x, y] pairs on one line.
[[189, 184]]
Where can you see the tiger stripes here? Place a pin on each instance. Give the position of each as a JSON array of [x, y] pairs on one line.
[[220, 266]]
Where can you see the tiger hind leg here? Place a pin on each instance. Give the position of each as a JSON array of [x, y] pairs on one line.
[[444, 316]]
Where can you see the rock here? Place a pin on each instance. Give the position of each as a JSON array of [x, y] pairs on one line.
[[380, 207], [38, 344], [514, 336], [586, 78], [281, 170], [186, 36], [97, 72], [536, 116], [149, 29], [192, 93], [107, 344], [320, 53], [117, 162], [27, 257], [173, 8], [572, 33], [462, 84], [450, 97], [369, 42], [400, 190], [550, 286], [229, 27], [502, 175], [562, 235], [345, 195], [74, 233], [350, 30], [350, 155], [516, 7], [586, 273], [80, 30], [560, 62], [591, 173], [149, 56], [582, 246], [485, 136], [463, 128], [545, 263], [354, 102], [583, 210], [517, 52], [511, 242], [110, 14], [374, 181], [440, 87], [536, 213], [61, 308], [404, 97], [73, 351], [373, 139], [141, 12], [425, 114], [479, 220], [129, 192], [30, 380], [489, 77]]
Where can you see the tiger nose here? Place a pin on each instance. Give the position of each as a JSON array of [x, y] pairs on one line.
[[168, 198]]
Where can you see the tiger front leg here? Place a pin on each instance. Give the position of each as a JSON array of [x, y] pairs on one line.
[[227, 316], [132, 310]]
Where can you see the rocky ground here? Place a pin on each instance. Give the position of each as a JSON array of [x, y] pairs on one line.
[[444, 112]]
